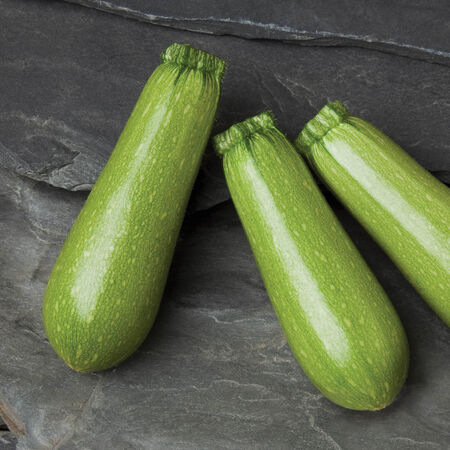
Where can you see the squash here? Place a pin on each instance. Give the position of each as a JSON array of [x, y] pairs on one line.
[[337, 319], [403, 207], [105, 288]]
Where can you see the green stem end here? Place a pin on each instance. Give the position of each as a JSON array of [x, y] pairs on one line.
[[188, 56], [242, 131], [326, 119]]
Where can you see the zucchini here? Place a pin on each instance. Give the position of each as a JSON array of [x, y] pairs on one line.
[[105, 288], [403, 207], [338, 321]]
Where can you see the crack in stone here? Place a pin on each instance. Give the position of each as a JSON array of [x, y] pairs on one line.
[[77, 424], [10, 418], [412, 442], [326, 436], [264, 30], [63, 150], [20, 324]]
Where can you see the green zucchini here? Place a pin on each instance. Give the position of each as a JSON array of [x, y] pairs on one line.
[[105, 288], [338, 321], [403, 207]]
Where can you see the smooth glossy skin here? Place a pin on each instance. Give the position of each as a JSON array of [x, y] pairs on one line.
[[337, 318], [403, 207], [106, 285]]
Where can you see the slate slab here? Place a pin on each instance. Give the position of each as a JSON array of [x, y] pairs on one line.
[[70, 77], [418, 29], [215, 372]]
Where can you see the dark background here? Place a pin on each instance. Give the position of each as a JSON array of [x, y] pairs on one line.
[[216, 371]]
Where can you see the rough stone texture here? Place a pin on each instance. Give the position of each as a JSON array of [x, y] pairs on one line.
[[396, 27], [215, 372], [71, 75], [7, 438]]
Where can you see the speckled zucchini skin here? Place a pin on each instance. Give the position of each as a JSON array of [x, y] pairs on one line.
[[337, 318], [403, 207], [106, 285]]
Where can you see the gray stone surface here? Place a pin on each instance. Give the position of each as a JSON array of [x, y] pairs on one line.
[[215, 372], [417, 29], [71, 75], [7, 438]]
